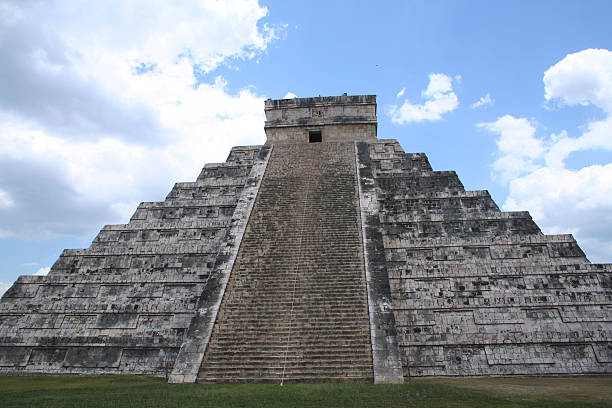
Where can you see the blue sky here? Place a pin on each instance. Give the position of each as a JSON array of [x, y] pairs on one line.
[[106, 104]]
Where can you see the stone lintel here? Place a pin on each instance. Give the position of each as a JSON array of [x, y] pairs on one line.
[[320, 101]]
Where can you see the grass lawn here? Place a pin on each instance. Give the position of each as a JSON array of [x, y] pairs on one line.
[[127, 391]]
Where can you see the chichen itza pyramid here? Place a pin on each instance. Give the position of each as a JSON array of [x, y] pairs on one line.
[[326, 254]]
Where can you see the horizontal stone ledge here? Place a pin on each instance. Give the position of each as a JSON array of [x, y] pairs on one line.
[[326, 121], [169, 225], [513, 239], [407, 175], [92, 279], [454, 269], [223, 201], [465, 308], [436, 195], [443, 345], [170, 249], [481, 216]]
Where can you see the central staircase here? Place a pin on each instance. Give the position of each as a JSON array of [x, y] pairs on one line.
[[296, 307]]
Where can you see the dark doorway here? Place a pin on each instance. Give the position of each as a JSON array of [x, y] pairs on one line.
[[314, 136]]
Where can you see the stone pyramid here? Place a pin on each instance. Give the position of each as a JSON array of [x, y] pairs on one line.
[[326, 254]]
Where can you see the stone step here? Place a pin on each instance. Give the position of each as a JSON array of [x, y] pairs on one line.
[[319, 350], [292, 365], [314, 321], [305, 338], [328, 325], [286, 283], [287, 379], [285, 298], [238, 312], [290, 340], [346, 368], [295, 369], [326, 351], [303, 359], [271, 331], [297, 291]]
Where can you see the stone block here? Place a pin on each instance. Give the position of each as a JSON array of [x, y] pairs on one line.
[[19, 290], [12, 356], [93, 357], [47, 359], [116, 321]]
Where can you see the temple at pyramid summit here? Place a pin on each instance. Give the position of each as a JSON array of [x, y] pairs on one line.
[[326, 254]]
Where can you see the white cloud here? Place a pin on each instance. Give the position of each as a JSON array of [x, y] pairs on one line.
[[5, 200], [563, 200], [439, 100], [582, 78], [102, 106], [400, 93], [438, 84], [569, 201], [43, 271], [517, 146], [4, 286], [483, 101], [290, 95]]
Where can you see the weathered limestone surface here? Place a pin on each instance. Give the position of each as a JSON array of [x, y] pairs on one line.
[[296, 306], [385, 350], [346, 259], [338, 118], [192, 350], [124, 304], [477, 291]]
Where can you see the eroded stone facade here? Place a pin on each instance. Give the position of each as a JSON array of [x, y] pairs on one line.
[[125, 304], [294, 259], [337, 118], [477, 291]]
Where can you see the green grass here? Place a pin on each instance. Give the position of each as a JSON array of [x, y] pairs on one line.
[[126, 391]]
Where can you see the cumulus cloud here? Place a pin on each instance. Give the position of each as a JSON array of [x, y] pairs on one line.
[[582, 78], [400, 93], [563, 200], [290, 95], [4, 286], [518, 148], [6, 200], [439, 100], [105, 104], [569, 201], [438, 84], [483, 101], [43, 271]]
